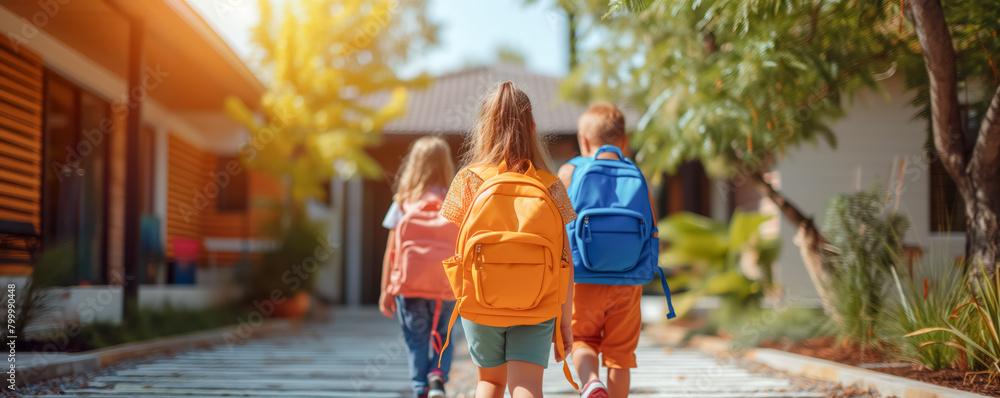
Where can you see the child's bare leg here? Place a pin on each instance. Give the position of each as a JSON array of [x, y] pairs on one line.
[[618, 382], [524, 379], [588, 367], [492, 382]]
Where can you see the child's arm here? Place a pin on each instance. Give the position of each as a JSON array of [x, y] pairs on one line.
[[387, 302], [565, 327]]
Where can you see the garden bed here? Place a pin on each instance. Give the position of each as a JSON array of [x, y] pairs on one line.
[[851, 354]]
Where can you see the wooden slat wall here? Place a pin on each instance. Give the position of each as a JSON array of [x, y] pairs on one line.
[[243, 225], [21, 103], [20, 136], [186, 175]]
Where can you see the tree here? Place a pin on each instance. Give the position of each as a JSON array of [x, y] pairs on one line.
[[510, 55], [330, 86], [736, 83], [579, 19], [958, 47]]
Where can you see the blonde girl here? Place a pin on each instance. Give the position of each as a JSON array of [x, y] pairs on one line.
[[414, 286], [509, 357]]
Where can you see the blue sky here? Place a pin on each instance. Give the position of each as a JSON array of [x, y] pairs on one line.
[[471, 32]]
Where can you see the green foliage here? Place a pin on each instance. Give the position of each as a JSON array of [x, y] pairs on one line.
[[330, 86], [866, 239], [974, 327], [300, 249], [733, 81], [150, 323], [52, 268], [750, 328], [922, 302], [711, 258]]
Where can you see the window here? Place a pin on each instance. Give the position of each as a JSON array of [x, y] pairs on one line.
[[947, 205], [232, 179], [76, 135], [947, 208]]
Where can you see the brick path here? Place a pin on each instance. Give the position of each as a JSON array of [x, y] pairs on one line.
[[361, 354]]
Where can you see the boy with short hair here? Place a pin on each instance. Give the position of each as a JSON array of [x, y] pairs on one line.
[[606, 317]]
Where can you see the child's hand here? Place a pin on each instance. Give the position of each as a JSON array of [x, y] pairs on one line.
[[567, 339], [387, 304]]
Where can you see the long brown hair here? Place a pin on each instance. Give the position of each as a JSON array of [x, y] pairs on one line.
[[429, 164], [505, 133]]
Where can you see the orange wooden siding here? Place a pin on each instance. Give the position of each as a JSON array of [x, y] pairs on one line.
[[249, 224], [192, 211], [186, 177], [20, 136], [20, 144]]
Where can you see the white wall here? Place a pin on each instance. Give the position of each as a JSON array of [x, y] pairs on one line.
[[876, 133]]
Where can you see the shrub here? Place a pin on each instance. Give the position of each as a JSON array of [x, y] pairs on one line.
[[922, 301], [974, 325], [711, 258], [866, 242]]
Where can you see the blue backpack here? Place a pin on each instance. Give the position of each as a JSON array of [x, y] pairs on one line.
[[612, 238]]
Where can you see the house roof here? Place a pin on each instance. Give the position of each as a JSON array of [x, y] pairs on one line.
[[450, 104], [198, 69]]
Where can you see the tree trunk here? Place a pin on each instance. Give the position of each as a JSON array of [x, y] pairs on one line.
[[975, 174], [807, 238]]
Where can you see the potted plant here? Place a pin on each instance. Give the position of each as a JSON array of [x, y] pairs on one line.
[[285, 277]]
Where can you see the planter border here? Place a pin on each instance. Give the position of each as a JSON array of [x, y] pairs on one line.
[[88, 361], [884, 383]]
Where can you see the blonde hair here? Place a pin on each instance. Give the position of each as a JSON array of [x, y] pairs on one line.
[[602, 124], [428, 164], [505, 133]]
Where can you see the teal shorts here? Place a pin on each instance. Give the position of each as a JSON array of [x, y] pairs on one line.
[[492, 346]]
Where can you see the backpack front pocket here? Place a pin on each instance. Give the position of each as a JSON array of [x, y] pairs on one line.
[[610, 240], [510, 274]]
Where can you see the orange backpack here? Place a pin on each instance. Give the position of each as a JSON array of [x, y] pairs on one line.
[[511, 267]]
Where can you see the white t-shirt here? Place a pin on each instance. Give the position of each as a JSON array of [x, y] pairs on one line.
[[392, 216], [395, 212]]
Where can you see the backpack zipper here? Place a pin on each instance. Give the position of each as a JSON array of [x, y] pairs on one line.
[[479, 256]]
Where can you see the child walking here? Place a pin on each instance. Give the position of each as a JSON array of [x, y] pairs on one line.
[[614, 248], [414, 286], [511, 274]]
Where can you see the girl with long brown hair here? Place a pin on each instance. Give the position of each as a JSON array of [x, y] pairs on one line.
[[505, 140]]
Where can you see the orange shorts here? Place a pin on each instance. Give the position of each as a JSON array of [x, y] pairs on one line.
[[607, 319]]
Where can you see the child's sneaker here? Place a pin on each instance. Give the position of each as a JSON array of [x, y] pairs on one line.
[[594, 389], [435, 383]]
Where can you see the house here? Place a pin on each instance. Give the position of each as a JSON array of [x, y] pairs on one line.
[[113, 138], [879, 141], [448, 108]]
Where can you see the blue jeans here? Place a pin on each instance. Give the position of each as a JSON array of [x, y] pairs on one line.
[[415, 316]]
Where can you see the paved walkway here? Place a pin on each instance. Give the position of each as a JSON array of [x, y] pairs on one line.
[[361, 354]]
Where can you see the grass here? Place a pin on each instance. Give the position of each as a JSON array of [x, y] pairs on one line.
[[979, 337], [149, 324], [923, 301]]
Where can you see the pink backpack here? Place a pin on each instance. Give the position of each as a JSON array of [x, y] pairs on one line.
[[423, 240]]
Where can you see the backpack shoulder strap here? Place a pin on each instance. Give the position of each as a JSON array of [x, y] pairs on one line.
[[579, 161], [546, 178], [484, 172]]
